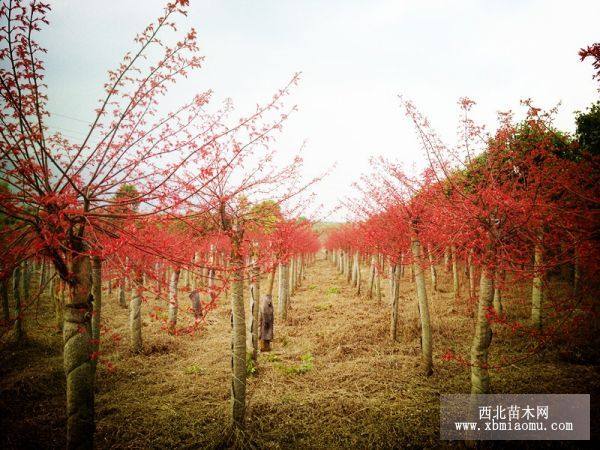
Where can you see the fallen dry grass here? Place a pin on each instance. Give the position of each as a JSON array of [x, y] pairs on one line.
[[333, 380]]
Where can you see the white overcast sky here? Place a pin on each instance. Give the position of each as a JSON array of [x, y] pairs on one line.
[[355, 58]]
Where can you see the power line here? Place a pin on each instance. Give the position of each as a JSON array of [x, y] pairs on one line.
[[66, 129], [70, 117]]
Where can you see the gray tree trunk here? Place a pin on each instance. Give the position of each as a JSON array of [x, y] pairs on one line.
[[18, 325], [471, 275], [392, 282], [97, 308], [26, 278], [122, 301], [432, 269], [238, 344], [135, 314], [498, 297], [446, 259], [480, 380], [4, 295], [348, 267], [283, 291], [42, 280], [455, 282], [159, 280], [292, 276], [77, 349], [537, 293], [371, 277], [58, 298], [378, 283], [358, 274], [426, 344], [254, 303], [395, 302], [173, 300], [354, 274], [271, 280]]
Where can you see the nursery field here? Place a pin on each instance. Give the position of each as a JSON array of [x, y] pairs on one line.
[[333, 379], [202, 246]]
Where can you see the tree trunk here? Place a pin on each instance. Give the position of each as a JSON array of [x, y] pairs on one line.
[[358, 274], [371, 278], [348, 267], [395, 302], [292, 276], [159, 280], [378, 284], [401, 266], [122, 301], [471, 275], [57, 294], [77, 350], [498, 296], [212, 272], [254, 303], [42, 280], [537, 293], [173, 300], [353, 277], [26, 278], [432, 269], [426, 344], [4, 295], [18, 325], [272, 280], [483, 336], [135, 314], [283, 291], [238, 343], [97, 308], [392, 282], [455, 282], [446, 259]]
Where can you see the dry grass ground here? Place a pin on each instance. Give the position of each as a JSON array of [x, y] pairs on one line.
[[333, 380]]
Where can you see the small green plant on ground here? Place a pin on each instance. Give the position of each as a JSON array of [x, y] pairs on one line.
[[194, 369], [250, 365], [306, 365], [333, 290], [271, 357]]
